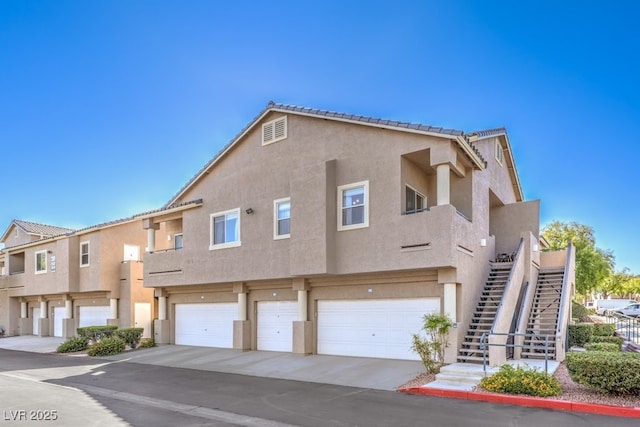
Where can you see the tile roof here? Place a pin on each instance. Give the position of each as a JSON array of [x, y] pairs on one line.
[[273, 106], [40, 229]]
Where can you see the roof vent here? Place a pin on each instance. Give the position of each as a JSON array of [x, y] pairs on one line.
[[274, 131]]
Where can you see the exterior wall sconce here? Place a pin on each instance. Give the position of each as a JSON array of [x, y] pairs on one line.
[[249, 211]]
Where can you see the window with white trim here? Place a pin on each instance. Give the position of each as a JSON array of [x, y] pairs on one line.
[[282, 218], [274, 131], [353, 206], [225, 229], [84, 254], [41, 262], [414, 201], [499, 153]]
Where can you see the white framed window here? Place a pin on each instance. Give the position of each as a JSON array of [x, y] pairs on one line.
[[225, 229], [274, 131], [41, 262], [414, 201], [282, 218], [353, 206], [499, 153], [84, 254], [177, 241]]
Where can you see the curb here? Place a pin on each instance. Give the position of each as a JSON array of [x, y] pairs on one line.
[[507, 399]]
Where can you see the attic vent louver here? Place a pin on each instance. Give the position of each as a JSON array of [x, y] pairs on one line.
[[274, 131]]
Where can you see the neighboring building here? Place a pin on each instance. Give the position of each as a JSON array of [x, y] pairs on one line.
[[55, 280], [321, 232]]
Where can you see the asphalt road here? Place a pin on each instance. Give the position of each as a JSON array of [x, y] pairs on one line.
[[147, 395]]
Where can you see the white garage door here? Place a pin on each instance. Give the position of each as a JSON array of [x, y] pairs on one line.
[[372, 328], [206, 325], [58, 315], [94, 315], [36, 321], [275, 325]]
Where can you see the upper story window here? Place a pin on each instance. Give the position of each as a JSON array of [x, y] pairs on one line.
[[225, 229], [84, 254], [353, 205], [274, 131], [414, 201], [41, 262], [177, 241], [499, 153], [282, 218]]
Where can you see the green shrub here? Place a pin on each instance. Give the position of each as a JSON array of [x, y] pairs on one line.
[[614, 340], [579, 312], [604, 329], [612, 373], [147, 343], [73, 344], [131, 336], [96, 333], [519, 380], [431, 349], [602, 346], [106, 347], [580, 334]]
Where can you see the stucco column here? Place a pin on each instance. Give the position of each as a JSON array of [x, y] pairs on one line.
[[113, 303], [302, 306], [23, 310], [68, 309], [450, 301], [43, 310], [242, 306], [162, 308], [443, 188], [151, 240]]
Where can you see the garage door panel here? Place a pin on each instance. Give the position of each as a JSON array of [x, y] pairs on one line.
[[58, 315], [372, 328], [275, 325], [35, 321], [205, 325], [94, 315]]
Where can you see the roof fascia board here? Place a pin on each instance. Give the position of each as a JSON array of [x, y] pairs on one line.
[[169, 211], [462, 143], [511, 165]]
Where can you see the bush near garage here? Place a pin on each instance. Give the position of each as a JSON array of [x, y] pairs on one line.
[[519, 380], [611, 373], [147, 343], [602, 346], [96, 333], [73, 344], [131, 336], [107, 347]]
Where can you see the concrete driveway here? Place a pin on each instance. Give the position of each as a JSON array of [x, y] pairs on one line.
[[379, 374]]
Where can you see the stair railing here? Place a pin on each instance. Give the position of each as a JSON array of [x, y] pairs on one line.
[[565, 300], [502, 321], [485, 343]]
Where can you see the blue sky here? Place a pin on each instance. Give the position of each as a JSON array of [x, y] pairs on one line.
[[108, 107]]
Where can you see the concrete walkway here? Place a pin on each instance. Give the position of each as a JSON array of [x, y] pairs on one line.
[[380, 374]]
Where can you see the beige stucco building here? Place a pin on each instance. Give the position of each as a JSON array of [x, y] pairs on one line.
[[55, 280], [319, 232]]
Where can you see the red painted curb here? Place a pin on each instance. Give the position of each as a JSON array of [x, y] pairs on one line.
[[561, 405]]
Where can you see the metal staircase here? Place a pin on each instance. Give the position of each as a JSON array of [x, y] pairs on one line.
[[485, 313], [543, 319]]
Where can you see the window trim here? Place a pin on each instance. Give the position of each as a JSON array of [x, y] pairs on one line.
[[88, 253], [45, 262], [225, 245], [273, 123], [417, 193], [276, 204], [499, 152], [341, 190]]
